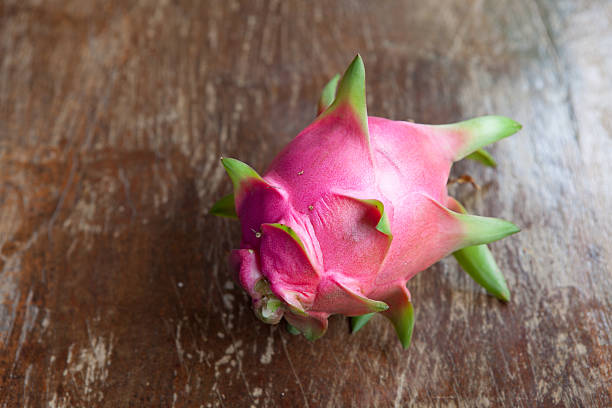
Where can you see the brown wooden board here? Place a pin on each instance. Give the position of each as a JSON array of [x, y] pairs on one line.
[[114, 287]]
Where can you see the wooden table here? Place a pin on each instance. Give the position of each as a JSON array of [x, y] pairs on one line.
[[114, 288]]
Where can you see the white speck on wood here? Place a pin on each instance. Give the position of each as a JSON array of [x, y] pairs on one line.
[[233, 347], [266, 358], [26, 383], [89, 367], [400, 390], [28, 323], [228, 301], [177, 341]]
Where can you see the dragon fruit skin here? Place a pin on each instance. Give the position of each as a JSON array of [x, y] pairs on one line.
[[352, 209]]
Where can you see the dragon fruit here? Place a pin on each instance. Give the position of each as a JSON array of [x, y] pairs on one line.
[[353, 208]]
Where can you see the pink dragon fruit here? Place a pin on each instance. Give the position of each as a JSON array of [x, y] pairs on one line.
[[353, 208]]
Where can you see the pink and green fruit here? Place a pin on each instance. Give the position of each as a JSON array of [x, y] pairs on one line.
[[353, 208]]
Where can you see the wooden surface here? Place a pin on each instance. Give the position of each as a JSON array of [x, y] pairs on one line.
[[114, 289]]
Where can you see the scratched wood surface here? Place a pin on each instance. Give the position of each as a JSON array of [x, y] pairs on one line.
[[114, 289]]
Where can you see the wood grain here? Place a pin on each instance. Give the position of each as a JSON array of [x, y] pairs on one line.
[[114, 289]]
